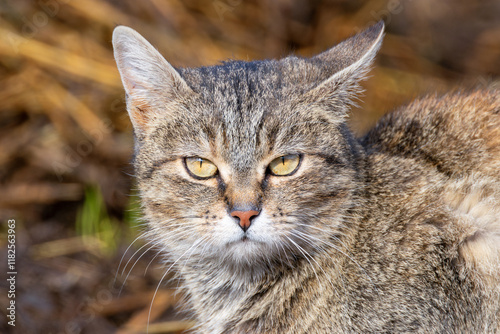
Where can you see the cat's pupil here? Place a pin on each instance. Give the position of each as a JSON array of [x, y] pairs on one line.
[[283, 160]]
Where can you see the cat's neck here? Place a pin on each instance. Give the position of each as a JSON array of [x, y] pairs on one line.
[[247, 299]]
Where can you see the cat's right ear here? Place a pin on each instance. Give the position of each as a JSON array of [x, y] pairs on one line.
[[149, 80]]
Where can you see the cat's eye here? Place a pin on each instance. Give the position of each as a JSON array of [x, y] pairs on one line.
[[200, 168], [284, 165]]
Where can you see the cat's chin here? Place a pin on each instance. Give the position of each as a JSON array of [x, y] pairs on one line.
[[248, 253], [243, 240], [245, 250]]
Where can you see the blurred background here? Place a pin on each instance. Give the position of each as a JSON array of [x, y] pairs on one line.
[[66, 141]]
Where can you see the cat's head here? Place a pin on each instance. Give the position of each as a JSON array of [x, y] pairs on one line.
[[245, 163]]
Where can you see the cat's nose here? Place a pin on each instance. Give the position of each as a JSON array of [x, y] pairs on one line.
[[245, 217]]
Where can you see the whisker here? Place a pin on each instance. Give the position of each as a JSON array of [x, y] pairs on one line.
[[130, 259], [124, 253], [307, 238], [190, 254], [130, 270], [161, 280], [150, 262], [305, 256], [336, 248]]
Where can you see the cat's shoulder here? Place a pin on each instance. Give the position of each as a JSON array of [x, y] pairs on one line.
[[444, 154], [457, 133]]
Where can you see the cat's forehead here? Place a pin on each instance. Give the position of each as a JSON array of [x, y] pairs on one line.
[[242, 100], [250, 108], [264, 81]]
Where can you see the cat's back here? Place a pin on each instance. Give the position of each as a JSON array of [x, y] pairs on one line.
[[443, 152], [458, 134], [434, 197], [445, 147]]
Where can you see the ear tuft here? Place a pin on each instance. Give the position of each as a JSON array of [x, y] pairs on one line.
[[344, 65], [359, 49], [149, 80]]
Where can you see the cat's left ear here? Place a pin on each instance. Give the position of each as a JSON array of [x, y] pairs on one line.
[[339, 69], [150, 82]]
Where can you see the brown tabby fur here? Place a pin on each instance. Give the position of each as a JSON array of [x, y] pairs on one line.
[[398, 231]]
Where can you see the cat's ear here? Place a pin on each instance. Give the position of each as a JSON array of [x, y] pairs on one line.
[[150, 82], [339, 69]]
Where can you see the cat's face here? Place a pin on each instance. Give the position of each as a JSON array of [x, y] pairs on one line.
[[283, 161], [243, 163]]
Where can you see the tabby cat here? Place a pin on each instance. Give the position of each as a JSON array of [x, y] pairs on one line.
[[278, 219]]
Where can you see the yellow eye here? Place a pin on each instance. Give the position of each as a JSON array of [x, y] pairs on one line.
[[284, 165], [200, 168]]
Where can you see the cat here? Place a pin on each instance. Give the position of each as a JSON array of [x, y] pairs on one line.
[[277, 219]]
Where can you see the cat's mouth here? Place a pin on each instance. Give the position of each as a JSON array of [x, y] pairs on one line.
[[245, 239]]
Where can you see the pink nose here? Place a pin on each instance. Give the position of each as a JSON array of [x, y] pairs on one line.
[[245, 217]]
